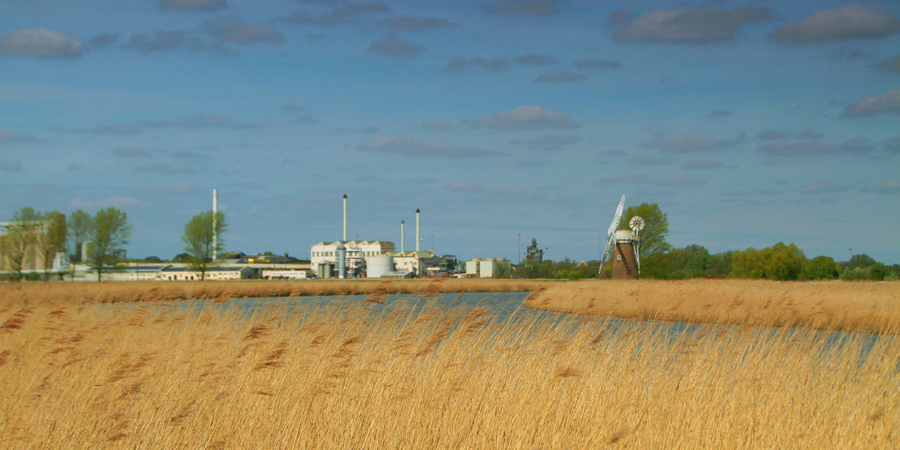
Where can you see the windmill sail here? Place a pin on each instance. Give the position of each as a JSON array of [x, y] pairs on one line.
[[611, 233]]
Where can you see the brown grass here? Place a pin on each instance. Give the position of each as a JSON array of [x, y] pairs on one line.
[[828, 305], [425, 375]]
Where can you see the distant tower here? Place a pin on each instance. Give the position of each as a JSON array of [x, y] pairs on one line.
[[533, 253], [345, 218], [417, 230], [215, 212], [402, 236]]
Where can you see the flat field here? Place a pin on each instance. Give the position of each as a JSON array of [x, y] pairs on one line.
[[424, 373]]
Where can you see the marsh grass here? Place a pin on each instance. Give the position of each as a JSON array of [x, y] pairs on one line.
[[431, 374], [870, 307]]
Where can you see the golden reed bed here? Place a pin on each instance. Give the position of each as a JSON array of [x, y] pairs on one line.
[[81, 293], [836, 305], [432, 376]]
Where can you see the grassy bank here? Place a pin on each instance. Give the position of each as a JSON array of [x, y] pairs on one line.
[[828, 305], [432, 377]]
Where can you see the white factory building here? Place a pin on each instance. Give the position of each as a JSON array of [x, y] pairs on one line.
[[326, 254]]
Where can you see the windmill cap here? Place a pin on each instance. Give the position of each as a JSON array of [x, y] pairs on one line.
[[624, 235]]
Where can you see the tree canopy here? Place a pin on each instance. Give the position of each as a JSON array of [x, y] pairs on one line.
[[203, 240], [20, 235], [109, 234]]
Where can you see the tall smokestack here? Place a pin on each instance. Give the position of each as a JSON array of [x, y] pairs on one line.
[[215, 212], [345, 217], [402, 236], [417, 229]]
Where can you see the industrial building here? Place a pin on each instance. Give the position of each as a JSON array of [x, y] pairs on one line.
[[355, 253], [487, 268]]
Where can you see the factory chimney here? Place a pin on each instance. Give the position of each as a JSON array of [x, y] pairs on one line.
[[345, 217], [402, 236], [215, 212], [417, 229]]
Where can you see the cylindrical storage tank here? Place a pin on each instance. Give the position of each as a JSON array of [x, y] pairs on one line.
[[378, 266], [320, 271], [342, 261], [329, 270]]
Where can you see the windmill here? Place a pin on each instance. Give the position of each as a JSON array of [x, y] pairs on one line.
[[637, 224], [612, 230]]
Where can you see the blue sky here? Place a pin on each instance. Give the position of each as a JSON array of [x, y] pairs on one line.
[[748, 123]]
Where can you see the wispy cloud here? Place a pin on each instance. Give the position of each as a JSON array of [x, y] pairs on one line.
[[823, 187], [526, 117], [131, 153], [532, 59], [539, 8], [559, 77], [409, 22], [193, 5], [416, 149], [874, 105], [169, 41], [114, 202], [548, 143], [643, 179], [236, 31], [395, 47], [693, 25], [690, 143], [597, 64], [8, 136], [337, 12], [886, 187], [460, 64], [42, 43], [167, 169], [10, 165], [851, 22], [703, 162]]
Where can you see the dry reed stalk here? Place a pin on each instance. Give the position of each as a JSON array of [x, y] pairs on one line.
[[532, 382]]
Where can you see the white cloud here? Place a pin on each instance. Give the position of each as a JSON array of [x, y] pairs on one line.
[[41, 42], [525, 118], [855, 21]]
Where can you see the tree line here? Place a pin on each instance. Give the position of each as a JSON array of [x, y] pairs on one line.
[[38, 237], [659, 260]]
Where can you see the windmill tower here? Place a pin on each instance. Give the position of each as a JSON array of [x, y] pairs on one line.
[[627, 265], [626, 244]]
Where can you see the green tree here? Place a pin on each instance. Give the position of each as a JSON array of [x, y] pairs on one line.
[[109, 234], [50, 238], [203, 240], [861, 260], [822, 268], [778, 262], [79, 227], [19, 239], [652, 242]]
